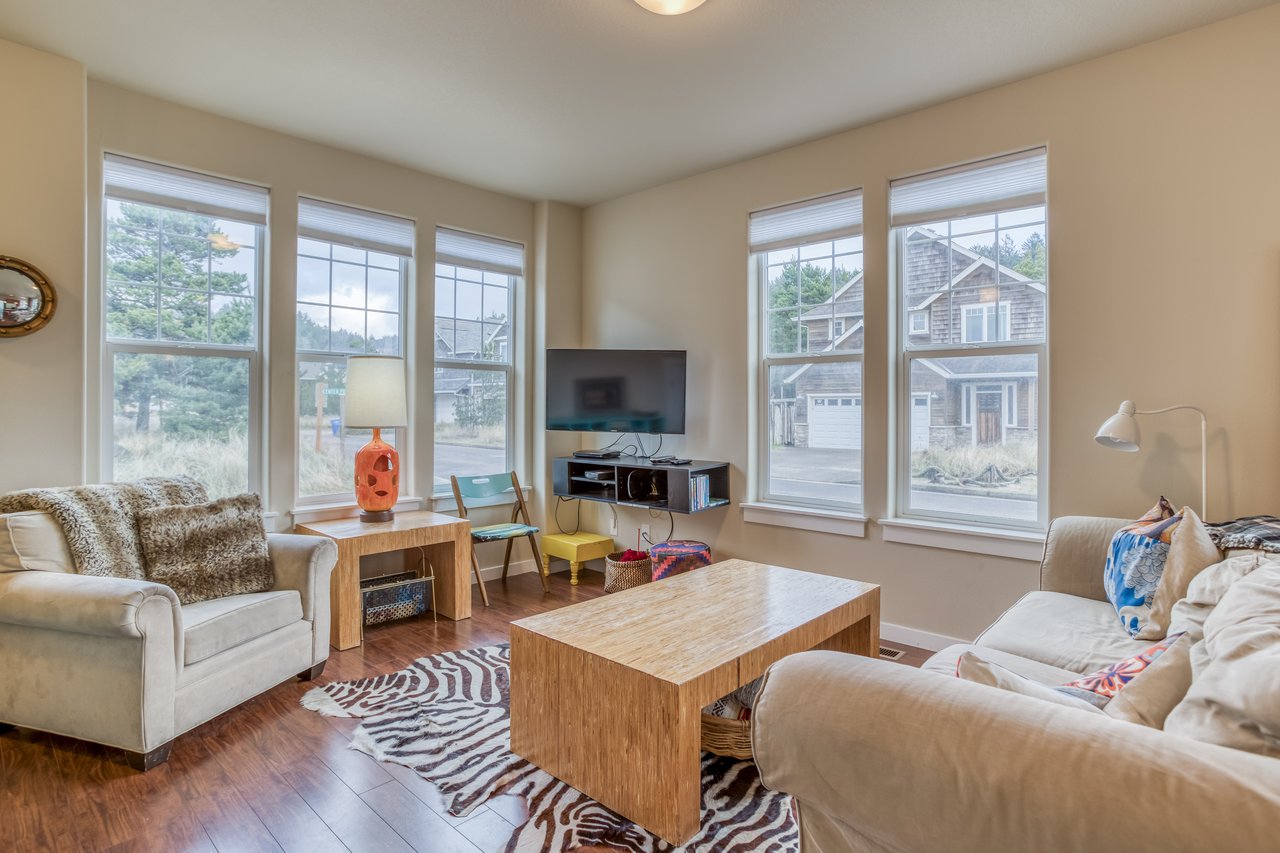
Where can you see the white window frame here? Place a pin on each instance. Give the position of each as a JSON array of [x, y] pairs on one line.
[[827, 219], [921, 328], [907, 352], [253, 354], [507, 368], [300, 355], [989, 311]]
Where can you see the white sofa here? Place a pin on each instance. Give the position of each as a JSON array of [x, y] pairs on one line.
[[122, 663], [883, 757]]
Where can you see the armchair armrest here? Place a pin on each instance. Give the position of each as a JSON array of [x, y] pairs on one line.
[[304, 563], [885, 757], [85, 604], [1075, 552]]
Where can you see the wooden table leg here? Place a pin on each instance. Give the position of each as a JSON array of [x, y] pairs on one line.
[[346, 617], [452, 564], [649, 765]]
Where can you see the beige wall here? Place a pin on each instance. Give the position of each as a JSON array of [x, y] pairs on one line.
[[1164, 176], [42, 222], [126, 122]]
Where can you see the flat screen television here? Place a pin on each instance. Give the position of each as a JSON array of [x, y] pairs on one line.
[[616, 390]]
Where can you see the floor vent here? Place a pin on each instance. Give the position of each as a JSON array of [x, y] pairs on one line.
[[891, 654]]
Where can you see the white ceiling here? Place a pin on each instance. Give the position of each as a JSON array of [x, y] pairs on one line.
[[579, 100]]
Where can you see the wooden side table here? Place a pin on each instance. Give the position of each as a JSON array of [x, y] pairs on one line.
[[577, 548], [445, 538]]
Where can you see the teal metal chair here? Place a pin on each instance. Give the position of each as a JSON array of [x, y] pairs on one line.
[[490, 490]]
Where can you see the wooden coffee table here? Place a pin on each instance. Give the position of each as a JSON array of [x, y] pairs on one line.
[[607, 695]]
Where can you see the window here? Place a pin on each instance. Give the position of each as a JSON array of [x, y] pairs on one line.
[[476, 282], [182, 271], [979, 323], [808, 260], [352, 269], [919, 323], [971, 250]]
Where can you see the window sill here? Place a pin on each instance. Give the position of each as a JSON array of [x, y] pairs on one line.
[[344, 509], [1016, 544], [805, 518]]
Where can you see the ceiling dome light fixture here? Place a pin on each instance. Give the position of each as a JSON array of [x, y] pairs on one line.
[[671, 7]]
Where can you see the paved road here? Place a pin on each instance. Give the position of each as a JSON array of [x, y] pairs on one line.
[[450, 458]]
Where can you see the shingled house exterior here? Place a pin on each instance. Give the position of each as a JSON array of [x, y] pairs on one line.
[[955, 300]]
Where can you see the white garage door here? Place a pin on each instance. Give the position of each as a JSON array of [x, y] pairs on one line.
[[835, 422], [920, 422]]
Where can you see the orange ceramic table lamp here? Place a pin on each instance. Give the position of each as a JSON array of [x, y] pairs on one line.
[[376, 399]]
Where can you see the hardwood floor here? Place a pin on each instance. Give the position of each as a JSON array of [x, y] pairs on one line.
[[271, 775]]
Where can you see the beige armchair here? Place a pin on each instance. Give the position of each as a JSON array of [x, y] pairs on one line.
[[122, 663]]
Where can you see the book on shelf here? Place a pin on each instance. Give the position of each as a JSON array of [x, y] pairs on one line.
[[699, 492]]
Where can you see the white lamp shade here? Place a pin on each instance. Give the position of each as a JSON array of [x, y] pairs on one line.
[[375, 392], [671, 7], [1120, 431]]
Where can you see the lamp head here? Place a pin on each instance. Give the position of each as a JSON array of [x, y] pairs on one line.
[[375, 392], [670, 7], [1120, 431]]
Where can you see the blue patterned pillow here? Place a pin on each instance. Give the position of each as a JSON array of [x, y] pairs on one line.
[[1135, 564]]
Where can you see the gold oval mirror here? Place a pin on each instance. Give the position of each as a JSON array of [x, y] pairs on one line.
[[27, 300]]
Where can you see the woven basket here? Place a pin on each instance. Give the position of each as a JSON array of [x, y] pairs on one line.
[[619, 575], [723, 736]]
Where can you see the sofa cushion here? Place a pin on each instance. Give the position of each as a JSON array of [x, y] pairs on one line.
[[947, 660], [33, 541], [972, 667], [1101, 686], [1234, 698], [1157, 690], [213, 626], [206, 551], [1066, 631]]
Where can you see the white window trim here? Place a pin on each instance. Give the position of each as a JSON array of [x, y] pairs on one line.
[[110, 348], [1005, 313], [300, 355], [1008, 403], [804, 518], [508, 368], [918, 314], [994, 542]]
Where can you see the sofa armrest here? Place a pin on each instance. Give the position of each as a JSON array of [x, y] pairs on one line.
[[86, 604], [1075, 552], [887, 757], [304, 563]]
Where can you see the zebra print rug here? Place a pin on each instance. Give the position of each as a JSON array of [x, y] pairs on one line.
[[447, 717]]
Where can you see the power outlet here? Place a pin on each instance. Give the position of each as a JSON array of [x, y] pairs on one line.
[[644, 535]]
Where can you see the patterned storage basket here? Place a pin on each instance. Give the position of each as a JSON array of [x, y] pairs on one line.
[[676, 556], [619, 575]]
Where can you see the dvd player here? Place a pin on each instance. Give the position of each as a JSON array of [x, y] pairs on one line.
[[597, 454]]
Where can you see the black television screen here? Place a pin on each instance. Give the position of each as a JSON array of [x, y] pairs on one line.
[[616, 390]]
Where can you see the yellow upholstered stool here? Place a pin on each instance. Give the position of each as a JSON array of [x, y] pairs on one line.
[[577, 548]]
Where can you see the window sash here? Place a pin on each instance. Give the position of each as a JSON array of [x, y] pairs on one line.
[[130, 179]]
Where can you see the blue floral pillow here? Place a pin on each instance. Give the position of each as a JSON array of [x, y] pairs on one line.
[[1135, 564]]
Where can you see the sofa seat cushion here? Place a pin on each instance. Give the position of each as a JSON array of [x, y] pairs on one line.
[[1066, 631], [946, 660], [213, 626]]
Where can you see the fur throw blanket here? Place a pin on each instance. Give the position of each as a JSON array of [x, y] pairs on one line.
[[101, 522]]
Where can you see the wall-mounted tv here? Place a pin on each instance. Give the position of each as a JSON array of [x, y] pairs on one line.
[[616, 390]]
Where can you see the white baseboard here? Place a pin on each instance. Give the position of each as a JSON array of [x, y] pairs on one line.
[[915, 637]]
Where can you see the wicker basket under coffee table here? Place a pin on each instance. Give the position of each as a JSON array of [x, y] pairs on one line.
[[649, 659]]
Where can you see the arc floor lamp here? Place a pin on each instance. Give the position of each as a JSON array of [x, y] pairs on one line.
[[1121, 432]]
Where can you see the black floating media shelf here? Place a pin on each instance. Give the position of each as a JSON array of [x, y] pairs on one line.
[[632, 481]]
